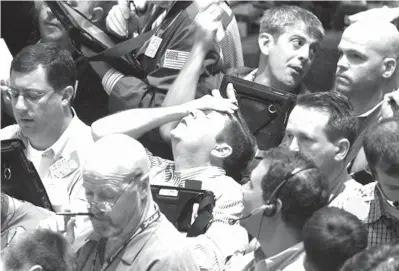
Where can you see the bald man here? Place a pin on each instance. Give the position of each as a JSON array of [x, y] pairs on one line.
[[366, 70], [130, 232], [367, 67]]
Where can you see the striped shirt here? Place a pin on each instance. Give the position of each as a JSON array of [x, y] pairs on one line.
[[223, 237]]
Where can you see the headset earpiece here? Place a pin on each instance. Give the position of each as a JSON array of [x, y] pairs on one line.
[[270, 209]]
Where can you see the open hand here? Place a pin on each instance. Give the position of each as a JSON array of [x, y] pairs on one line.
[[216, 101]]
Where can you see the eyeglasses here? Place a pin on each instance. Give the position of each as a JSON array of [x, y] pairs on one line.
[[105, 206], [8, 236], [31, 96]]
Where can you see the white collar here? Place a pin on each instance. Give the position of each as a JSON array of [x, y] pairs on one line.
[[371, 110]]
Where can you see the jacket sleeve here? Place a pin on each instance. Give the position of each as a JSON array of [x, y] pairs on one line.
[[131, 92]]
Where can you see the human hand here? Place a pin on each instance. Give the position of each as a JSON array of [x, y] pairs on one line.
[[216, 101], [119, 18], [209, 25], [390, 105], [62, 224], [376, 14]]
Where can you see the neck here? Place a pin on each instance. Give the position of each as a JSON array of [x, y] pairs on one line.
[[44, 142], [368, 103], [283, 238], [336, 180], [185, 159]]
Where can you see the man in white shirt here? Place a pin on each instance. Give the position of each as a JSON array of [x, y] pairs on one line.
[[41, 90], [323, 126]]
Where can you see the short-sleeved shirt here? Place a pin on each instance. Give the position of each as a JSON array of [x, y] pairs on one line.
[[59, 166]]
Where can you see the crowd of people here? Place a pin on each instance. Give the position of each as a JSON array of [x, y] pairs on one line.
[[325, 199]]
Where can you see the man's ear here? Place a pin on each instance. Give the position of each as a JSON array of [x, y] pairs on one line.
[[388, 67], [97, 14], [144, 185], [265, 42], [221, 150], [36, 268], [342, 147], [67, 95]]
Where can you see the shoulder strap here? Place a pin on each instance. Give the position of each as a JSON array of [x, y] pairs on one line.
[[357, 145], [124, 47], [204, 216]]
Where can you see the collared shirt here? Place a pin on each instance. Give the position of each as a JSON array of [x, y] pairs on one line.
[[60, 165], [284, 261], [222, 238], [349, 198], [157, 247], [382, 227]]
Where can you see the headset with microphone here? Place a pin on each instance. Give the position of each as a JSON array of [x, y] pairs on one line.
[[269, 209]]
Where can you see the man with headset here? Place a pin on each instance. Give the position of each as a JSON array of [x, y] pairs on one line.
[[291, 189]]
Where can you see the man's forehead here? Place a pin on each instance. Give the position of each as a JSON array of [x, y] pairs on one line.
[[304, 118], [36, 79], [300, 30]]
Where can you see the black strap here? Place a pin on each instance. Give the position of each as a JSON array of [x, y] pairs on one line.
[[201, 223], [124, 47]]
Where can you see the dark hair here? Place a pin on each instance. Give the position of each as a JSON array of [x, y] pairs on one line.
[[302, 194], [381, 143], [43, 247], [58, 63], [276, 19], [237, 134], [342, 122], [331, 236], [376, 258]]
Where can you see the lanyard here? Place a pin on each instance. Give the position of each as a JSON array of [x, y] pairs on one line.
[[153, 218]]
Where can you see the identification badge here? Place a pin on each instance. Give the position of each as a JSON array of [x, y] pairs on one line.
[[153, 46], [65, 166]]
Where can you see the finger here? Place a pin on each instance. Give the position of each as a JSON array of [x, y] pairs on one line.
[[124, 9], [216, 93], [70, 230], [231, 93]]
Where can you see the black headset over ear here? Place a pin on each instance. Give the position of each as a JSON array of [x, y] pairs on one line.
[[270, 207]]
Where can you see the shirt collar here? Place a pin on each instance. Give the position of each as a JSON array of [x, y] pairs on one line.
[[375, 212], [57, 148], [284, 258], [364, 115], [199, 173]]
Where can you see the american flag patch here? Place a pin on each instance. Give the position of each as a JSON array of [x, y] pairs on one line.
[[175, 59]]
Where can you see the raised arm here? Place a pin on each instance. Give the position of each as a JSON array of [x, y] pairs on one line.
[[137, 122], [184, 87]]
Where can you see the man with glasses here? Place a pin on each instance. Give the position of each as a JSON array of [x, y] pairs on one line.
[[41, 90], [130, 232]]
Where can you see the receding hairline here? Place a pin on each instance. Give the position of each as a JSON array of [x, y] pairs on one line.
[[381, 36]]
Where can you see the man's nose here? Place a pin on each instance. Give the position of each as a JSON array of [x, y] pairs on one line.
[[293, 146], [304, 53], [21, 104]]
